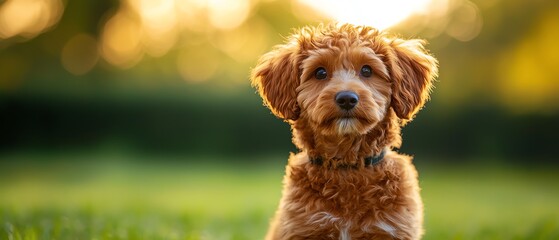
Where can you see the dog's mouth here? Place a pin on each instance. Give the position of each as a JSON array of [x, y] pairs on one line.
[[345, 117], [342, 122], [349, 116]]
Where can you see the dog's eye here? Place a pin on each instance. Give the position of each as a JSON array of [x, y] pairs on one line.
[[366, 71], [320, 73]]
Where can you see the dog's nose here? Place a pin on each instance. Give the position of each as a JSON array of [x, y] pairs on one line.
[[347, 100]]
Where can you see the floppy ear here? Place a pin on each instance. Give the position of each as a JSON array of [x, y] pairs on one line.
[[276, 76], [412, 73]]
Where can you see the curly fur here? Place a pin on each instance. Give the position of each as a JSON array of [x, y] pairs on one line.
[[332, 201]]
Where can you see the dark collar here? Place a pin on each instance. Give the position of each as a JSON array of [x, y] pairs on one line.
[[369, 161]]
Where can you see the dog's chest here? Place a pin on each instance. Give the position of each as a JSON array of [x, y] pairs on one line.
[[344, 204], [347, 192]]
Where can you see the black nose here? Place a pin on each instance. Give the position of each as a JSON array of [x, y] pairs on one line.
[[347, 100]]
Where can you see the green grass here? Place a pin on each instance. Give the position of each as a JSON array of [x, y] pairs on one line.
[[118, 198]]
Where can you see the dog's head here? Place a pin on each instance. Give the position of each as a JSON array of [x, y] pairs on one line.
[[344, 79]]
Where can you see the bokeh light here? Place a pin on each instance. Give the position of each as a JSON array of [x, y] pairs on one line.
[[159, 24], [228, 14], [27, 18], [154, 26], [80, 54], [466, 22], [121, 42]]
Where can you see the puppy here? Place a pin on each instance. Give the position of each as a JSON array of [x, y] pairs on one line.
[[346, 90]]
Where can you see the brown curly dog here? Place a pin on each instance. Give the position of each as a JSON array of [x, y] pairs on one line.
[[346, 90]]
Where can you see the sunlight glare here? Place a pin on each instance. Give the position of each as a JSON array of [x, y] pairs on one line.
[[379, 14]]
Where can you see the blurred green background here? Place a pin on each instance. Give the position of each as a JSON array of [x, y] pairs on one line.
[[134, 119]]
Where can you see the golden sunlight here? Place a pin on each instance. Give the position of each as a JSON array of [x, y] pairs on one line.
[[234, 30], [28, 18], [159, 24], [154, 27], [379, 14], [227, 14], [120, 41], [528, 73]]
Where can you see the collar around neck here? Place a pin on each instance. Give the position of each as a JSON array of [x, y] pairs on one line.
[[368, 161]]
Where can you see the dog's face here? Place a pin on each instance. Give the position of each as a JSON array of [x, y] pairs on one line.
[[344, 79], [343, 90]]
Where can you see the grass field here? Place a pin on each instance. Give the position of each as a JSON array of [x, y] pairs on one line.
[[78, 197]]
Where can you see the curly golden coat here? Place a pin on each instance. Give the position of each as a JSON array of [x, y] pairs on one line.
[[343, 198]]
